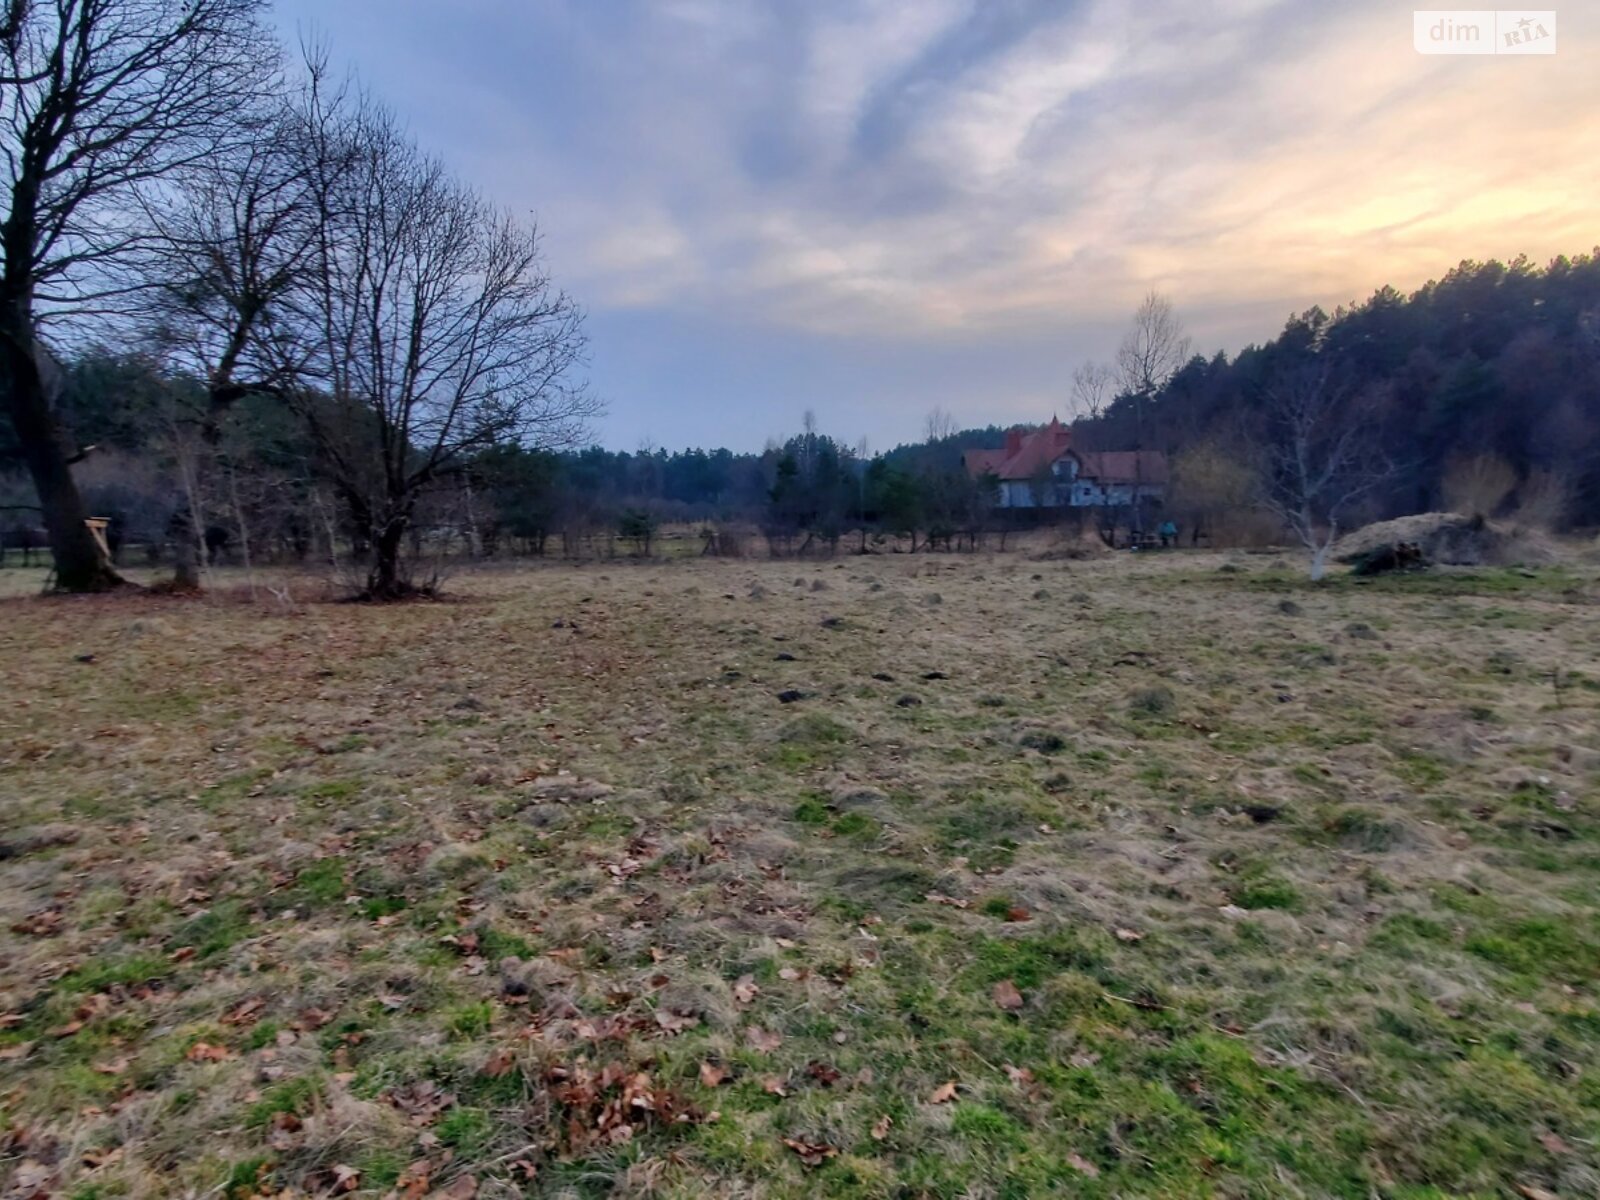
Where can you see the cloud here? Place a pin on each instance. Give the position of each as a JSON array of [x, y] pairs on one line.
[[913, 172]]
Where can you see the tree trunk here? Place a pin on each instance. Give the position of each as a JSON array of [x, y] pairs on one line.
[[80, 565], [384, 581], [1319, 562], [189, 550], [185, 562], [244, 530]]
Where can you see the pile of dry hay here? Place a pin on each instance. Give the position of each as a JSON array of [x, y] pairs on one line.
[[1072, 544], [1453, 539]]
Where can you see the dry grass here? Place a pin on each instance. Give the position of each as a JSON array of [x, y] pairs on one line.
[[546, 887], [1451, 538]]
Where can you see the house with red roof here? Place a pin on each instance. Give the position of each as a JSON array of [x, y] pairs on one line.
[[1042, 469]]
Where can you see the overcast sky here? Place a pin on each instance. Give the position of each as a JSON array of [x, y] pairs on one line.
[[872, 207]]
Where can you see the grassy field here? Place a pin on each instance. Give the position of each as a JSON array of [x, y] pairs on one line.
[[944, 876]]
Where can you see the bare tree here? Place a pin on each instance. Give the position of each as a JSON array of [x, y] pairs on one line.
[[97, 99], [1319, 457], [1151, 353], [1091, 390], [430, 330], [939, 425], [235, 239]]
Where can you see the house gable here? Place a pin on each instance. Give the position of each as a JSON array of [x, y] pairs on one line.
[[1077, 478]]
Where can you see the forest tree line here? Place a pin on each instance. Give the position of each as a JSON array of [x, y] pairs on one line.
[[1479, 390]]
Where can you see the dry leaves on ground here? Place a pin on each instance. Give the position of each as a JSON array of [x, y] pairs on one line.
[[1007, 996]]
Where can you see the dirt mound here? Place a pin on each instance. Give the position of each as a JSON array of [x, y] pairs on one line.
[[1452, 539], [1072, 546]]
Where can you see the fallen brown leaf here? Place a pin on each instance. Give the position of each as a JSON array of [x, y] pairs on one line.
[[422, 1100], [745, 990], [765, 1040], [499, 1063], [40, 924], [414, 1181], [314, 1018], [944, 1093], [246, 1012], [462, 1187], [674, 1023], [824, 1073], [345, 1178], [1007, 996], [711, 1074], [880, 1128], [813, 1154], [95, 1159]]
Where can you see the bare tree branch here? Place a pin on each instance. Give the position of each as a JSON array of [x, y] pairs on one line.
[[1319, 455], [98, 100], [428, 329]]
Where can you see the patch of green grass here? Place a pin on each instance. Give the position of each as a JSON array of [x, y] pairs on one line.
[[1419, 770], [321, 884], [126, 972], [1030, 960], [1362, 830], [1404, 930], [296, 1096], [1263, 889], [167, 704], [845, 908], [815, 729], [262, 1034], [812, 811], [374, 907], [217, 929], [465, 1130], [332, 791], [987, 1124], [470, 1021], [1542, 946], [495, 944], [998, 907], [248, 1178], [856, 825]]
